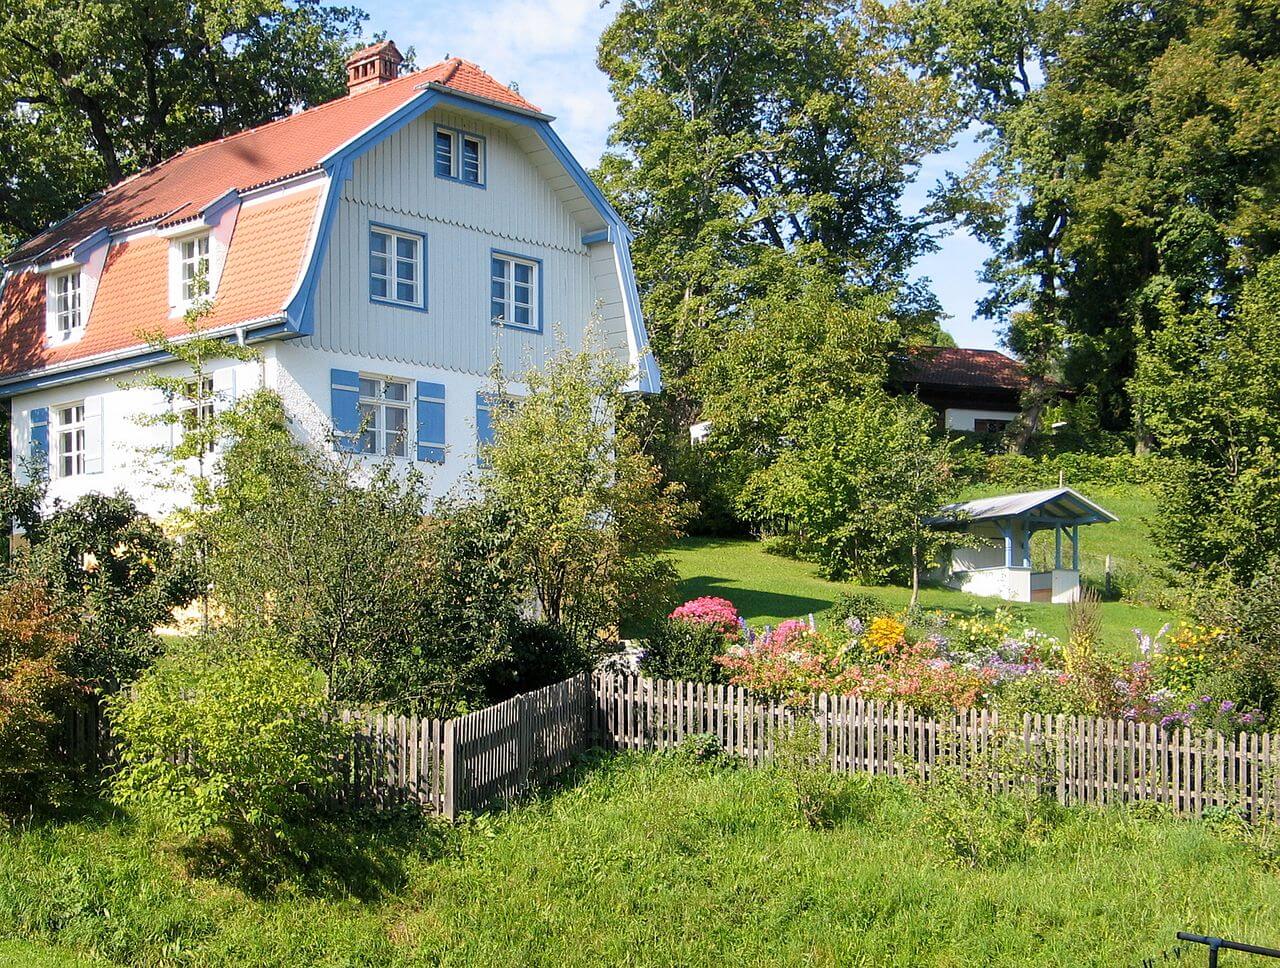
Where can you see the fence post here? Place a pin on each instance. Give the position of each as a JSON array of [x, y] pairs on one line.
[[451, 772]]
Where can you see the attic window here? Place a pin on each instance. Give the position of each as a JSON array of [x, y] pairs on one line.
[[460, 156], [193, 269], [64, 304]]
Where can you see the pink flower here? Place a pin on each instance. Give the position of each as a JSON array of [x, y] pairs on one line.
[[709, 610]]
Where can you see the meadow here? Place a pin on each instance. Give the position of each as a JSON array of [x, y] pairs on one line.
[[641, 860]]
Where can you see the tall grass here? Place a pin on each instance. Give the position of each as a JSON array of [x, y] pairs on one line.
[[648, 861]]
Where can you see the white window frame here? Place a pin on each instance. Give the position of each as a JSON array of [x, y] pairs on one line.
[[507, 300], [392, 259], [192, 409], [70, 441], [458, 140], [66, 307], [189, 291], [373, 407]]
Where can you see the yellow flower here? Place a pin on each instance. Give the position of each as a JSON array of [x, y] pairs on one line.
[[884, 634]]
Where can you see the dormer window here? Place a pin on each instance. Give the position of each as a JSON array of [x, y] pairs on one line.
[[193, 269], [64, 298], [460, 156]]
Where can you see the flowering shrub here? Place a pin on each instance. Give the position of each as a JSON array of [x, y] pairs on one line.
[[917, 676], [1221, 715], [1185, 658], [884, 635], [790, 663], [708, 610]]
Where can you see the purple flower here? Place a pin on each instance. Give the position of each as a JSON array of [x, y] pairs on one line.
[[1227, 706]]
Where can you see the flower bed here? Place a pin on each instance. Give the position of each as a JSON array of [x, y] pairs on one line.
[[936, 662]]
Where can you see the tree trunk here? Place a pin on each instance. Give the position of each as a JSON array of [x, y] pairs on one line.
[[915, 576]]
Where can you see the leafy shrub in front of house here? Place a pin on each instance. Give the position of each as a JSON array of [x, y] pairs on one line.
[[35, 639], [115, 569], [240, 740], [859, 607], [686, 649], [538, 654]]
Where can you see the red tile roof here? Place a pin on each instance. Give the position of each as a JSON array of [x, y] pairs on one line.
[[262, 266], [942, 366], [183, 184], [265, 256]]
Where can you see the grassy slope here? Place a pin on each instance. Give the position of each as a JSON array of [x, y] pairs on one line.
[[766, 588], [648, 863]]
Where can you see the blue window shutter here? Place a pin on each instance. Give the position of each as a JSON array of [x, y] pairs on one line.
[[344, 401], [484, 426], [431, 422], [40, 432]]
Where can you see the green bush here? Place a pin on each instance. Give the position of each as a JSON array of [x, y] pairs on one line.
[[115, 569], [685, 650], [822, 798], [243, 741], [856, 605], [540, 655]]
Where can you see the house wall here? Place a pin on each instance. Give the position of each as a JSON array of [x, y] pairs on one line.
[[122, 437], [519, 211], [956, 418]]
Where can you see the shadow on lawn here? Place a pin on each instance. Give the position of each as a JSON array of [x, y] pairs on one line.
[[361, 854], [753, 603]]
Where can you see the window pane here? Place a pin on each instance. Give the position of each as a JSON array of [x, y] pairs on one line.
[[522, 315], [471, 160], [377, 263], [523, 272], [378, 287], [444, 154], [368, 388], [496, 310], [498, 290], [406, 292], [378, 242], [369, 442], [397, 391], [395, 419], [499, 269], [406, 248], [522, 295], [406, 270]]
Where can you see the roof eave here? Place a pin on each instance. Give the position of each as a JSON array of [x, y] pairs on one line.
[[488, 101]]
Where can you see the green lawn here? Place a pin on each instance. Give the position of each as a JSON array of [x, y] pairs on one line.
[[644, 861], [766, 589]]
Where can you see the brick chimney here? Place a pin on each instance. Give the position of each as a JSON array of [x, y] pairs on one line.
[[371, 66]]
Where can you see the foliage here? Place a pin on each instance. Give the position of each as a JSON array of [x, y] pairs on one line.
[[116, 572], [787, 663], [978, 827], [91, 95], [243, 740], [856, 606], [590, 515], [821, 798], [333, 557], [686, 650], [536, 654], [702, 749], [1130, 147], [1210, 387], [35, 691], [859, 485], [1084, 624]]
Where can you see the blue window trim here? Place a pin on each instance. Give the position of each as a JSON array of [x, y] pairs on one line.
[[422, 267], [458, 134], [429, 395], [489, 291]]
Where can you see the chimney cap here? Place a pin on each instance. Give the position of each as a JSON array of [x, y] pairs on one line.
[[372, 66]]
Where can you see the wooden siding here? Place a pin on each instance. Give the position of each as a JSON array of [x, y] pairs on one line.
[[525, 208]]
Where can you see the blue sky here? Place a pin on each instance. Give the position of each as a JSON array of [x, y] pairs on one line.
[[548, 48]]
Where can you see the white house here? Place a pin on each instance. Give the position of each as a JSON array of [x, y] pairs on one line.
[[381, 251], [994, 557]]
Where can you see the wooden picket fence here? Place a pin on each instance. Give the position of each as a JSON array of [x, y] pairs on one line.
[[457, 765], [1080, 759]]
